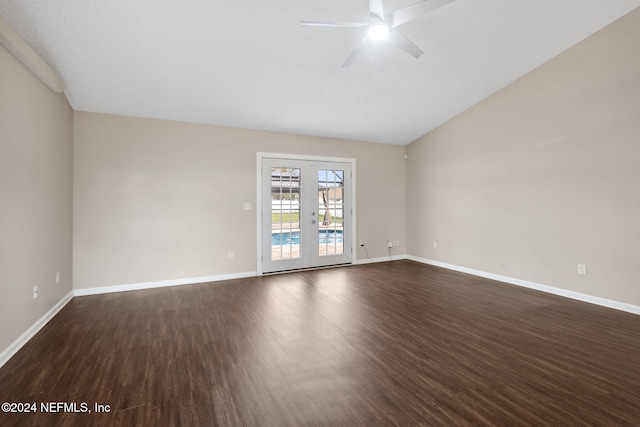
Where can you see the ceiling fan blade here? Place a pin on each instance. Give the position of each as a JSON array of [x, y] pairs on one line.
[[376, 8], [333, 24], [355, 52], [396, 38], [406, 14]]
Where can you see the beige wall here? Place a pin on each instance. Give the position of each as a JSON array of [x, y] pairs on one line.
[[541, 176], [158, 200], [35, 197]]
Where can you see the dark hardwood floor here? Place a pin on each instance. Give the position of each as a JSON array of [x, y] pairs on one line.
[[396, 343]]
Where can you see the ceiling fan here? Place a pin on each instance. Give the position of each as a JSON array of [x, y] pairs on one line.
[[384, 26]]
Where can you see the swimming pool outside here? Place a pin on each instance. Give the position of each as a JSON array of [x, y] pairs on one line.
[[293, 237]]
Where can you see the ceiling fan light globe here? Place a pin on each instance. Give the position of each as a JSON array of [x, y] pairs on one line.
[[378, 31]]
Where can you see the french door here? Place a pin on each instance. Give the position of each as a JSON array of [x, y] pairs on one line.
[[306, 214]]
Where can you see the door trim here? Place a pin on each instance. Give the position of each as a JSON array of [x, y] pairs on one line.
[[260, 156]]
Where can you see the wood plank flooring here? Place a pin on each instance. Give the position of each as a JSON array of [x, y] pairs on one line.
[[391, 344]]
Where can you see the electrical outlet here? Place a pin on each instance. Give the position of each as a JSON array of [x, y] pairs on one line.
[[247, 206], [582, 269], [435, 245], [58, 277], [397, 243], [389, 244], [230, 255], [35, 292], [361, 243]]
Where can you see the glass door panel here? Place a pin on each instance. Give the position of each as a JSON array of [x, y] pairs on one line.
[[331, 235], [331, 212], [285, 213]]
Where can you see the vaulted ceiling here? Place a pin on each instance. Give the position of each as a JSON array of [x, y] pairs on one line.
[[250, 64]]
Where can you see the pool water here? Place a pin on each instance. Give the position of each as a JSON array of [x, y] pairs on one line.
[[293, 237]]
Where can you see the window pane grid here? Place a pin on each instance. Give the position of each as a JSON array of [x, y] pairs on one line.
[[285, 213], [331, 206]]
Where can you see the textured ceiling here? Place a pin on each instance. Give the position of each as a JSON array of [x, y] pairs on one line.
[[250, 64]]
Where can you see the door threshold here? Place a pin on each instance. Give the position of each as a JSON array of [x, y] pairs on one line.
[[297, 270]]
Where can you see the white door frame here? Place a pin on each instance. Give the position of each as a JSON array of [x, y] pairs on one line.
[[260, 156]]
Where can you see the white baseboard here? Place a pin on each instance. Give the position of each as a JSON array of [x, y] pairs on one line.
[[629, 308], [160, 284], [380, 259], [29, 333]]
